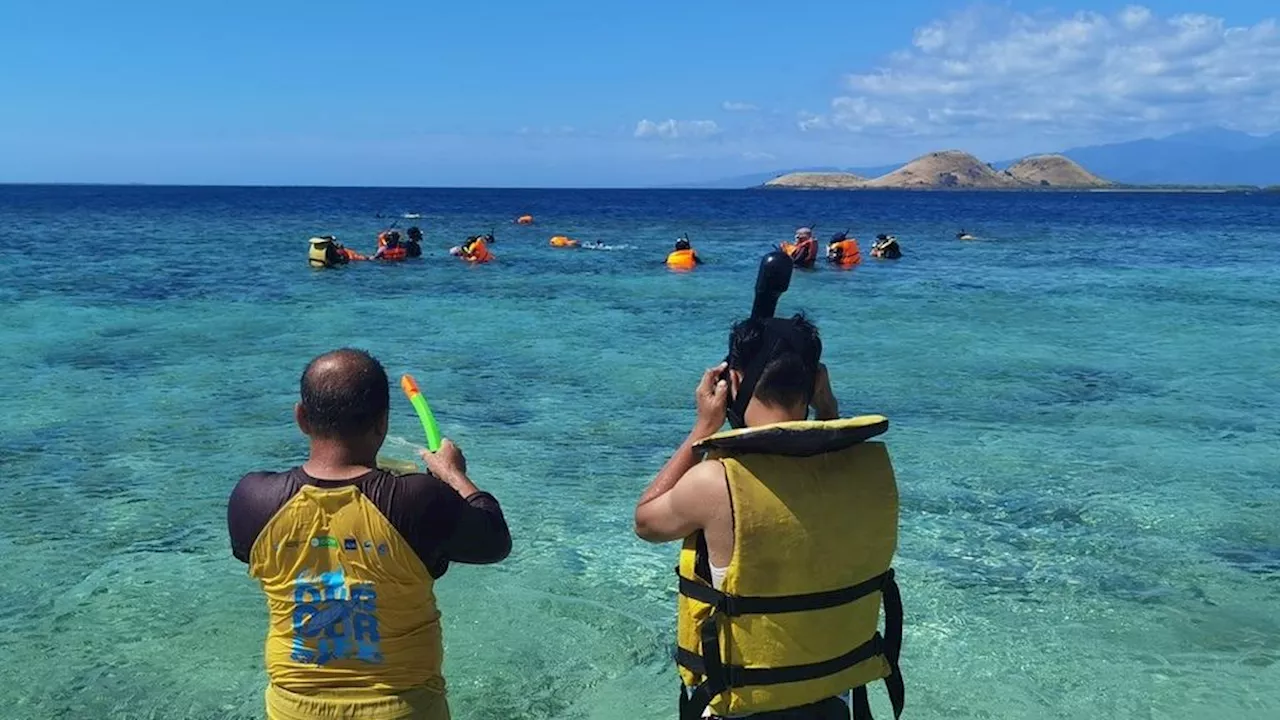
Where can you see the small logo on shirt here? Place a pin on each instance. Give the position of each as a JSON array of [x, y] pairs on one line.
[[327, 541], [368, 545], [350, 544], [382, 548]]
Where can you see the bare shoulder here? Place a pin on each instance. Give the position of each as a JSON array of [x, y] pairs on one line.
[[705, 481]]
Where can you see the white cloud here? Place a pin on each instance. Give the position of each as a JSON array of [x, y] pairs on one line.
[[731, 106], [676, 129], [990, 70]]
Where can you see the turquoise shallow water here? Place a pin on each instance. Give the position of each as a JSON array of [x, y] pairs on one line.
[[1083, 406]]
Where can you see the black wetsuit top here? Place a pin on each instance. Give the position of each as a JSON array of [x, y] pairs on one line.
[[432, 517]]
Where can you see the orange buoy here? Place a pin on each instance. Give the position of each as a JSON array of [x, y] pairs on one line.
[[562, 241]]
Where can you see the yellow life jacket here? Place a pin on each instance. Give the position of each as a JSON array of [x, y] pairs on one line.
[[318, 256], [815, 527], [352, 607]]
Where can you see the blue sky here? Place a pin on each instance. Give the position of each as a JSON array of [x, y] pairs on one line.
[[574, 93]]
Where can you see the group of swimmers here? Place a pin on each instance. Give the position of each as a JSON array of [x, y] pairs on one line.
[[842, 250], [326, 251]]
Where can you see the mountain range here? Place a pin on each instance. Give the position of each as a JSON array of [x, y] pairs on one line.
[[1208, 156]]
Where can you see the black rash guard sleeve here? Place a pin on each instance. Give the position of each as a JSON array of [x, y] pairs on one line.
[[432, 517], [481, 535], [255, 500]]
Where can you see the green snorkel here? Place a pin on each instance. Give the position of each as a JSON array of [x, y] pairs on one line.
[[429, 426]]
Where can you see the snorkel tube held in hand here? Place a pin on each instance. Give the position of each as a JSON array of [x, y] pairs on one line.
[[428, 420], [773, 279]]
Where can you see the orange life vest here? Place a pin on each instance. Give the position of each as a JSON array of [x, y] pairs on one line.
[[394, 253], [682, 259], [802, 253], [477, 252], [848, 253]]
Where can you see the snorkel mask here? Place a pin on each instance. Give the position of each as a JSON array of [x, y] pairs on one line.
[[773, 279]]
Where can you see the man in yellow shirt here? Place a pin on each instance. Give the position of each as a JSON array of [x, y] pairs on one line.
[[348, 555]]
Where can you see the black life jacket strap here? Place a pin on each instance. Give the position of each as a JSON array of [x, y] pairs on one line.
[[737, 676], [716, 676], [734, 605], [893, 618], [861, 705]]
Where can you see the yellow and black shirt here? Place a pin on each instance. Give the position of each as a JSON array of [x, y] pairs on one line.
[[349, 567]]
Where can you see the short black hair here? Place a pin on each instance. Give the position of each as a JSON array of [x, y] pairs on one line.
[[789, 376], [344, 392]]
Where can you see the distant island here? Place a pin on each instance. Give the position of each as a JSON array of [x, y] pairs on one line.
[[1211, 159], [954, 170]]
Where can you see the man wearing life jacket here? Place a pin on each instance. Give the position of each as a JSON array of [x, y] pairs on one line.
[[843, 250], [413, 243], [789, 530], [326, 252], [683, 256], [886, 247], [804, 251], [475, 249], [393, 250], [348, 555]]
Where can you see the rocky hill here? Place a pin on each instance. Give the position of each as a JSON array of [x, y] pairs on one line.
[[953, 169], [817, 181], [944, 170], [1054, 171]]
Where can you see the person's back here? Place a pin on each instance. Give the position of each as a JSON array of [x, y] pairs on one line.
[[804, 251], [886, 247], [789, 530], [392, 251], [413, 242], [476, 250], [683, 256], [843, 250], [325, 252], [348, 555]]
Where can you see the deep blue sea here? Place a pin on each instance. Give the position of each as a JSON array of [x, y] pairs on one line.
[[1083, 405]]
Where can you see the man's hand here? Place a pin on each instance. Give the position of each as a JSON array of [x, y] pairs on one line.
[[712, 398], [824, 400], [450, 466]]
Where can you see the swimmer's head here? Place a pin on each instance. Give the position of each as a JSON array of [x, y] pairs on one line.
[[345, 397], [791, 369], [682, 243], [804, 233]]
